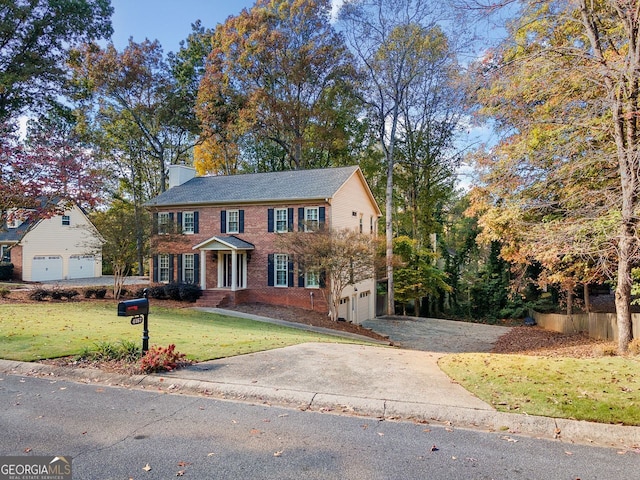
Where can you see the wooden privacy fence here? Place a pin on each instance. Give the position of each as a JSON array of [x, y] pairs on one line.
[[601, 326]]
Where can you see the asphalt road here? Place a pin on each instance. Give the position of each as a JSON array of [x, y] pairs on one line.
[[113, 433]]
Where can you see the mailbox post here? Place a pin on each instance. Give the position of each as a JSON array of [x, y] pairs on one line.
[[138, 309]]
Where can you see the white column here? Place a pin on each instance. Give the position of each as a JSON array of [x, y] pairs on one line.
[[203, 269], [234, 270]]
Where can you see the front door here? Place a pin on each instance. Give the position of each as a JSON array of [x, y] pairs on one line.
[[226, 273]]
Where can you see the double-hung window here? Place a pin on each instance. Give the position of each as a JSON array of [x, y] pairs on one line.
[[281, 220], [233, 221], [164, 222], [188, 222], [312, 279], [311, 219], [66, 220], [188, 267], [281, 262], [163, 267]]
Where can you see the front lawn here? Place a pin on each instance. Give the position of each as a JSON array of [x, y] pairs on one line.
[[34, 331], [604, 389]]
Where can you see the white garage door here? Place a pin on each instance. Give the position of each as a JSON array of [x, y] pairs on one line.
[[364, 300], [81, 266], [46, 267]]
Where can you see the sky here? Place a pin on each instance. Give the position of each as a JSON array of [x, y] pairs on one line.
[[169, 21]]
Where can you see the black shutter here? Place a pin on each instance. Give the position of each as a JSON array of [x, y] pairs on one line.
[[196, 268], [171, 269], [180, 276], [270, 271], [321, 217], [323, 279], [196, 222], [290, 219], [155, 266], [179, 223], [171, 227], [154, 226], [270, 221], [290, 280], [223, 221], [300, 276], [241, 221], [301, 219]]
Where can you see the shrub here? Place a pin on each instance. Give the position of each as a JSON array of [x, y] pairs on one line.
[[190, 292], [159, 359], [39, 294], [4, 292], [6, 270], [89, 292], [100, 292], [124, 350], [172, 291], [157, 292]]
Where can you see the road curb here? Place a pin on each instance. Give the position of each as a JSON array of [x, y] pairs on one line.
[[568, 431]]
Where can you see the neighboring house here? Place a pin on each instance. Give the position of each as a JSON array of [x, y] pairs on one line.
[[222, 233], [61, 247]]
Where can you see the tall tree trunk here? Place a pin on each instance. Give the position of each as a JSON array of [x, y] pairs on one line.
[[623, 289], [587, 299], [389, 237]]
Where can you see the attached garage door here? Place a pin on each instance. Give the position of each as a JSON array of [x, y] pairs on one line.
[[81, 266], [364, 300], [46, 267]]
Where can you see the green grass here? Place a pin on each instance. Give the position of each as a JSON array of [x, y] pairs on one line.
[[605, 390], [31, 332]]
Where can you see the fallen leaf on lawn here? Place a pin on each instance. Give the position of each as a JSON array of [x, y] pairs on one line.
[[180, 473], [509, 439], [210, 454], [27, 450], [147, 467], [282, 415], [449, 429], [381, 434], [255, 431], [426, 430], [568, 453], [183, 464], [266, 420], [278, 454]]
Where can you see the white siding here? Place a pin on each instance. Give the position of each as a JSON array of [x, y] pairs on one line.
[[51, 238], [352, 198]]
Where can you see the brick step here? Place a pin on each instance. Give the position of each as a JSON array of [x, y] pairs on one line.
[[212, 298]]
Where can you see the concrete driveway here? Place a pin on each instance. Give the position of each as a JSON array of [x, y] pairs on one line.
[[435, 335]]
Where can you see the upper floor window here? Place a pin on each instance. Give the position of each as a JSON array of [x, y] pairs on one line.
[[233, 221], [188, 222], [66, 220], [281, 220], [311, 219], [164, 222]]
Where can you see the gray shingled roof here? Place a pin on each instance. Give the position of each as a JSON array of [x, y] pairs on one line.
[[257, 187]]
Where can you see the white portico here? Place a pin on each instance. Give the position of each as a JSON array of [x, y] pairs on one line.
[[232, 254]]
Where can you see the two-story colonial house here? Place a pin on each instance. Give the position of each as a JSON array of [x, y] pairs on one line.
[[221, 232]]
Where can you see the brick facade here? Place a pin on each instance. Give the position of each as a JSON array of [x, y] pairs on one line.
[[254, 231]]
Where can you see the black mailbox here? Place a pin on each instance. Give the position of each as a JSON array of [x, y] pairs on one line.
[[130, 308]]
